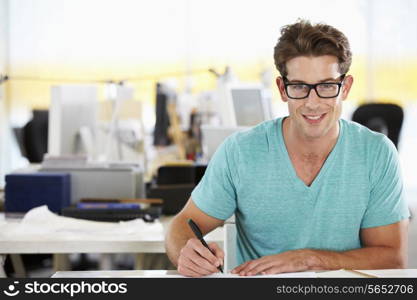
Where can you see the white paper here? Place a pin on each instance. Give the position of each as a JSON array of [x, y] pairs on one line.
[[169, 274], [398, 273], [280, 275], [339, 274]]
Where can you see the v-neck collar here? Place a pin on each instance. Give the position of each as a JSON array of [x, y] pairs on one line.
[[298, 183]]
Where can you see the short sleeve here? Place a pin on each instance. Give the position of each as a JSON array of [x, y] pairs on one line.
[[387, 204], [216, 192]]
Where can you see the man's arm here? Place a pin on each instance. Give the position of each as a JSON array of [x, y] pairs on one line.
[[384, 247], [185, 251]]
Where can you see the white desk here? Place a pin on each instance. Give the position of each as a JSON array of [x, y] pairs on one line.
[[398, 273], [95, 244], [141, 274], [55, 244]]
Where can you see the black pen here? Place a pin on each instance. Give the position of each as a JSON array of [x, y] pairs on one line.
[[199, 235]]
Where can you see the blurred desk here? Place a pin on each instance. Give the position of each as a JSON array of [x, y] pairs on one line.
[[27, 244]]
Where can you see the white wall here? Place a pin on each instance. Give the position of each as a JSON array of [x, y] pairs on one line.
[[10, 156], [4, 16], [4, 133], [124, 34]]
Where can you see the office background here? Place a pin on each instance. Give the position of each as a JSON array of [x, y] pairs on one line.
[[45, 43], [51, 42]]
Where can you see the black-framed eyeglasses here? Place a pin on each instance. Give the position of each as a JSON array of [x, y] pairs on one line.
[[323, 89]]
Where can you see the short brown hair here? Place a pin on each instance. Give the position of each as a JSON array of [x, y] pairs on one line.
[[304, 39]]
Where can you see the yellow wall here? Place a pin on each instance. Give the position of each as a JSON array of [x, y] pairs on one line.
[[393, 80]]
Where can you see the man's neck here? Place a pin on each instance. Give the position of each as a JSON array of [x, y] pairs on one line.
[[314, 148]]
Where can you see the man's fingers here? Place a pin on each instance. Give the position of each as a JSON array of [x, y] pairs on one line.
[[202, 262], [238, 269], [258, 269], [218, 252], [197, 258], [271, 270], [250, 266], [253, 267], [189, 264], [203, 251], [282, 268], [199, 267], [183, 270]]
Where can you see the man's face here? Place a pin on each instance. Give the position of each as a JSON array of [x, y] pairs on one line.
[[314, 117]]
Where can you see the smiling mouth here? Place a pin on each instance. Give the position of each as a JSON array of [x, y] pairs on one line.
[[314, 119]]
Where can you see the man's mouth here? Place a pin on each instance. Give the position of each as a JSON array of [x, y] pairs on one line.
[[314, 119]]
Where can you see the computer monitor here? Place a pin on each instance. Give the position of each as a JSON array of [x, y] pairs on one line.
[[72, 112], [244, 105], [250, 105]]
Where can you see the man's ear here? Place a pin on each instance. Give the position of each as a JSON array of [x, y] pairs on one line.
[[281, 88], [347, 84]]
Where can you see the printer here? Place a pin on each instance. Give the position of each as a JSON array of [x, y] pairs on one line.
[[100, 180]]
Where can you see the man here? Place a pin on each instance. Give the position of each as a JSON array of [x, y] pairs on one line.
[[310, 191]]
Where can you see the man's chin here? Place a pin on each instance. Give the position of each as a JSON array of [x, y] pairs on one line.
[[314, 133]]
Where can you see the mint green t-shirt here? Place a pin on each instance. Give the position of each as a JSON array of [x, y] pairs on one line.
[[251, 176]]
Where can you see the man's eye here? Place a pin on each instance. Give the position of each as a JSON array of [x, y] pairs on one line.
[[327, 86], [298, 87]]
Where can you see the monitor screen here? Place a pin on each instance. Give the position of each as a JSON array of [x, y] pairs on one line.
[[250, 107], [72, 108]]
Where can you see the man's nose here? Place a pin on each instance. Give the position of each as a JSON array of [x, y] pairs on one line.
[[313, 100]]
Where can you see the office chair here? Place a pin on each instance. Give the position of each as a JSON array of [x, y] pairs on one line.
[[180, 174], [174, 185], [35, 136], [381, 117], [18, 134], [175, 175]]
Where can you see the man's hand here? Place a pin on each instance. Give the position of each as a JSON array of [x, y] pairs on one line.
[[290, 261], [195, 260]]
